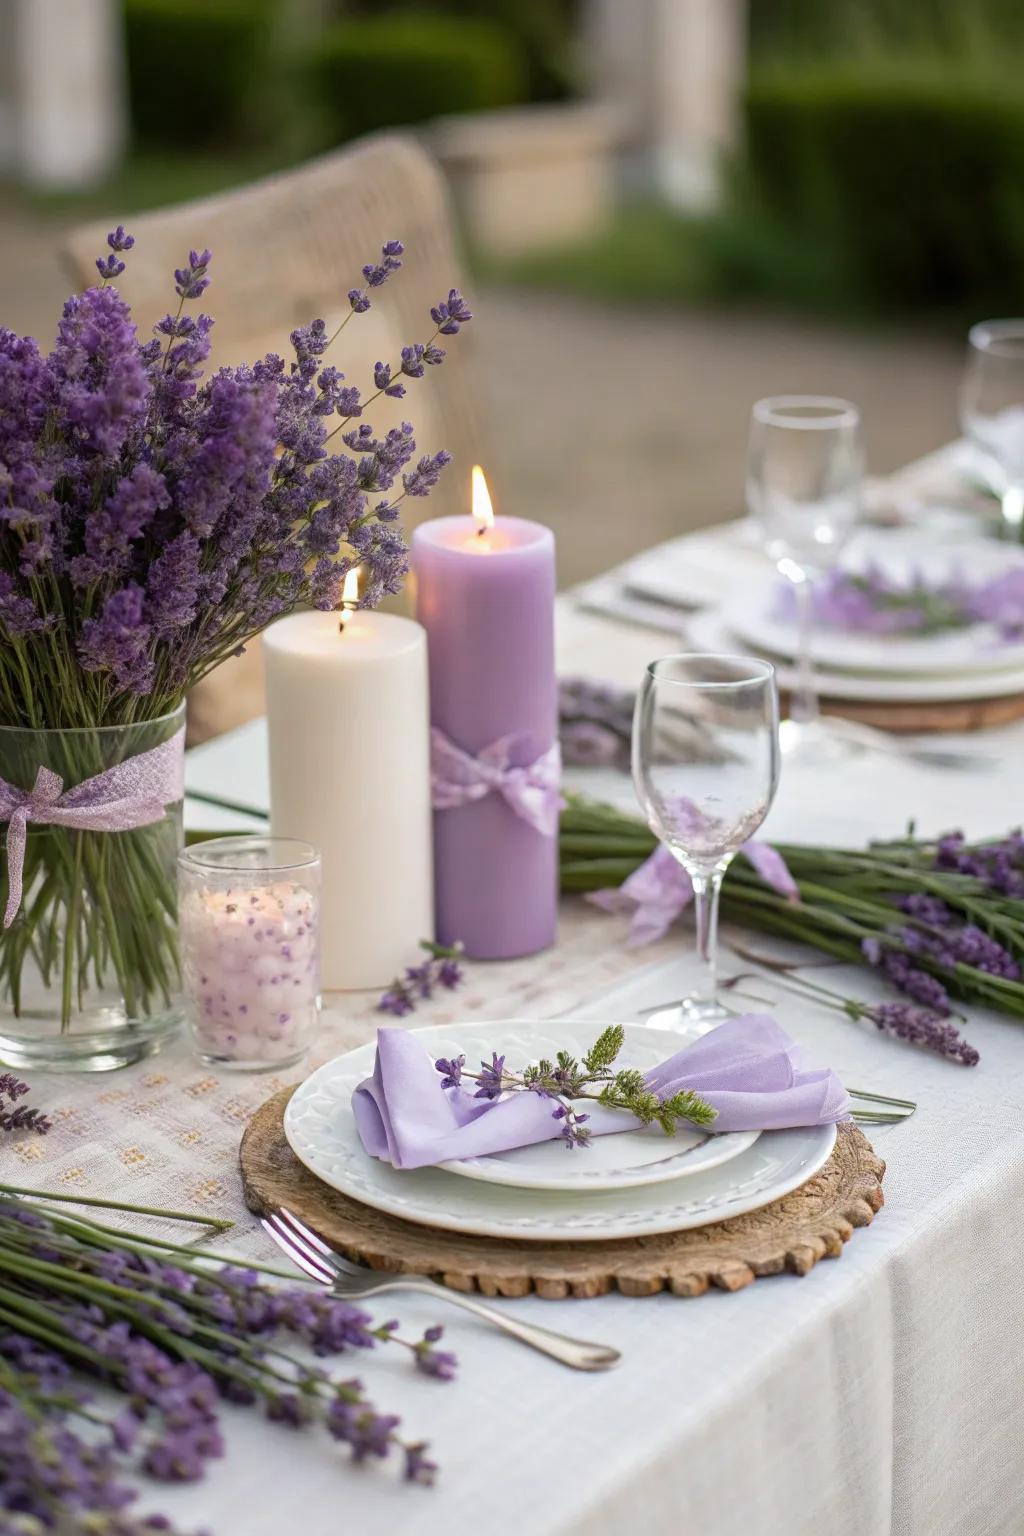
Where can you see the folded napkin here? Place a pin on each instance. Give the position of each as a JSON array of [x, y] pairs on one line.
[[749, 1069]]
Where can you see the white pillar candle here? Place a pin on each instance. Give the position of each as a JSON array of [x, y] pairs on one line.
[[348, 715]]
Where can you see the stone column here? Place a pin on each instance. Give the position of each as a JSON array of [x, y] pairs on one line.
[[676, 67], [62, 119]]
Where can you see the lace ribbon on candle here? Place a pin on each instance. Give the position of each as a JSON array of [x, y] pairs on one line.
[[131, 794], [457, 778]]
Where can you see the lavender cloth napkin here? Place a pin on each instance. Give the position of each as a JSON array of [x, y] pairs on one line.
[[749, 1069]]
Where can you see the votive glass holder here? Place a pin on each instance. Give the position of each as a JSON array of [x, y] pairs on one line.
[[249, 937]]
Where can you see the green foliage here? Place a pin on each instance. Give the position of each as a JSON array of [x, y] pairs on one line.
[[375, 72], [566, 1080], [942, 29], [195, 70], [605, 1048], [542, 30], [910, 179]]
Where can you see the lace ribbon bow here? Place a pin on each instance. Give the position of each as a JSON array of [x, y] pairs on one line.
[[131, 794], [457, 778]]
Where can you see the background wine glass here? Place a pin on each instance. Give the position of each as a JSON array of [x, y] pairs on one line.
[[992, 411], [804, 475], [705, 792]]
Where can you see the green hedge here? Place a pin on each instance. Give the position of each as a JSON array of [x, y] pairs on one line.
[[544, 32], [195, 70], [914, 182], [370, 73]]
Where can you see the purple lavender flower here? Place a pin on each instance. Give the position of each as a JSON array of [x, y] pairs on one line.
[[437, 1363], [421, 480], [382, 379], [396, 1001], [412, 361], [418, 1468], [113, 528], [926, 908], [101, 387], [174, 585], [358, 300], [450, 974], [118, 641], [572, 1126], [451, 1070], [451, 314], [378, 273], [18, 614], [15, 1116], [920, 1026], [192, 281], [921, 985], [490, 1079], [109, 266]]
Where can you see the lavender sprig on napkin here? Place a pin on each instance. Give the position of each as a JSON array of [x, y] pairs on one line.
[[747, 1071]]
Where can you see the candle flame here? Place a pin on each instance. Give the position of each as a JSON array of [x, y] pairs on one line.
[[350, 589], [483, 511]]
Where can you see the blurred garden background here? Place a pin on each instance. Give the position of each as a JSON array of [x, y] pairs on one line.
[[668, 207]]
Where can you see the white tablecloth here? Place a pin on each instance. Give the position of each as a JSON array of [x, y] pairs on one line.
[[881, 1394]]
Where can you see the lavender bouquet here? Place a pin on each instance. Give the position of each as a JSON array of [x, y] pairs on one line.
[[167, 1335], [151, 523], [941, 919]]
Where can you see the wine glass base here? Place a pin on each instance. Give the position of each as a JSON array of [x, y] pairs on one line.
[[691, 1017]]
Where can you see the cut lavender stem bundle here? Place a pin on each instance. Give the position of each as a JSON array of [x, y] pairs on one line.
[[173, 1337]]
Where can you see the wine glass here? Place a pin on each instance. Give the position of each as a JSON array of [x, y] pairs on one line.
[[804, 474], [705, 791], [992, 411]]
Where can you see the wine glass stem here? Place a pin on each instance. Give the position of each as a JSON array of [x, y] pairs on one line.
[[803, 704], [706, 888]]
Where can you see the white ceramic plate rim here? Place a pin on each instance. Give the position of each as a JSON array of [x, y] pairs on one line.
[[709, 631], [431, 1197], [975, 649]]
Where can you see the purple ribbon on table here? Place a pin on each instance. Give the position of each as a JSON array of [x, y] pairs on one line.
[[748, 1069], [660, 889], [131, 794], [457, 778]]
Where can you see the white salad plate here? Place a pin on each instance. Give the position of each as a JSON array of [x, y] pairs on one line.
[[754, 614], [321, 1130], [711, 632], [750, 600]]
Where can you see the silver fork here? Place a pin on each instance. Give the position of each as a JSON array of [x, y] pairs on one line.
[[312, 1255], [875, 740]]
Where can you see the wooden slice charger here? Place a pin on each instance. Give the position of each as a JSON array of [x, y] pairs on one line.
[[947, 715], [791, 1234]]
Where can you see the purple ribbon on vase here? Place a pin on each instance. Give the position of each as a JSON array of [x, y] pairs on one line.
[[128, 795], [532, 791], [655, 894]]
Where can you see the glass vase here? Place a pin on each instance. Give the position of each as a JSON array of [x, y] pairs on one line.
[[249, 912], [89, 974]]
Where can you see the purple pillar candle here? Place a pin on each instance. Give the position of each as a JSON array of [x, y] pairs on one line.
[[485, 595]]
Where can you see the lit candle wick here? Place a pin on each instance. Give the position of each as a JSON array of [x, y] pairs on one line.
[[349, 597], [480, 501]]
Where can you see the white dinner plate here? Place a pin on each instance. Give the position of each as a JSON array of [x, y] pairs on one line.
[[710, 632], [321, 1131]]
